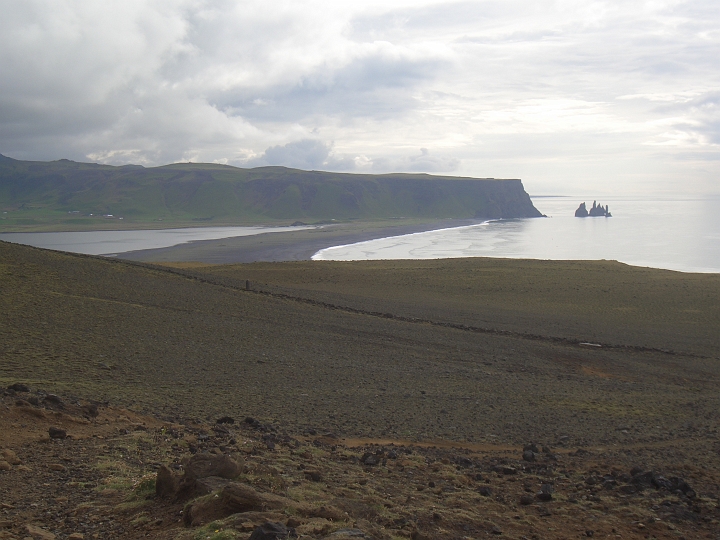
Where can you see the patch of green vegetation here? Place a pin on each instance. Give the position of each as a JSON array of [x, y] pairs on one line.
[[215, 531]]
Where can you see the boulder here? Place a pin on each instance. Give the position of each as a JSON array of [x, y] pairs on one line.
[[204, 465], [204, 473], [232, 499], [167, 483]]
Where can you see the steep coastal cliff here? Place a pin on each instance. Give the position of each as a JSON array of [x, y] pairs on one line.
[[67, 193]]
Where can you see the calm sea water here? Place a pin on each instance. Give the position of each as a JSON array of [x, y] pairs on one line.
[[113, 242], [673, 234]]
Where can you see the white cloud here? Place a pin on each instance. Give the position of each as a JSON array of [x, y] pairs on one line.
[[562, 93]]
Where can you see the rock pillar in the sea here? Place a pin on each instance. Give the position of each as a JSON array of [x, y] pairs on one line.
[[597, 210]]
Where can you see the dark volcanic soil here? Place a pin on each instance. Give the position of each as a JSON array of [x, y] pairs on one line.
[[186, 347], [99, 481], [406, 360], [288, 246]]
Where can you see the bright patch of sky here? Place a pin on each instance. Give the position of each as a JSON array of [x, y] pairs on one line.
[[573, 97]]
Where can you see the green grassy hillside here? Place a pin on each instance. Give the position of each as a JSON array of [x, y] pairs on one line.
[[70, 195]]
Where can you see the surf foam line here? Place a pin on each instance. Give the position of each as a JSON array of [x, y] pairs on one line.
[[318, 255]]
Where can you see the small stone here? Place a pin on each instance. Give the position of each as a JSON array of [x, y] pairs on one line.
[[76, 536], [496, 530], [589, 533], [57, 467], [509, 470], [313, 476], [39, 534], [91, 410], [52, 398], [57, 433], [526, 500], [528, 455], [545, 493], [369, 459], [10, 456], [5, 466], [485, 491], [225, 420], [19, 387]]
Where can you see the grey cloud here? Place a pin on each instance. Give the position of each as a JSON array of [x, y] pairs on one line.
[[312, 154], [424, 162], [155, 81], [701, 117], [375, 85], [307, 154]]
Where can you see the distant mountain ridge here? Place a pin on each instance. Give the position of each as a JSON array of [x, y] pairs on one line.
[[64, 191]]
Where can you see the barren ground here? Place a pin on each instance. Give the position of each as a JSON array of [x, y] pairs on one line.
[[475, 358]]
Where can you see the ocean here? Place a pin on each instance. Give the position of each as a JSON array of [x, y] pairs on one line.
[[674, 234]]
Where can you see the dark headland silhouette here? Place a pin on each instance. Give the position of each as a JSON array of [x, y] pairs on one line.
[[597, 210]]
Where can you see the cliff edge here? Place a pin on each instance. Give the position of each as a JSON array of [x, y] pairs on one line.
[[88, 195]]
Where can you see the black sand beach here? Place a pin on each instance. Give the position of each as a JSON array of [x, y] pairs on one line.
[[287, 246]]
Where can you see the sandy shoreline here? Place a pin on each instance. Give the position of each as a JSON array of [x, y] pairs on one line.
[[286, 246]]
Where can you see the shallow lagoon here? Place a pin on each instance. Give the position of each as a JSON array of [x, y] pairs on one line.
[[661, 233], [114, 242]]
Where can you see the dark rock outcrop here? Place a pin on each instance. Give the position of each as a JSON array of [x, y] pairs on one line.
[[204, 473], [597, 210]]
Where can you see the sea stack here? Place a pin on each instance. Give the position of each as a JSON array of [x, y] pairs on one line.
[[597, 210]]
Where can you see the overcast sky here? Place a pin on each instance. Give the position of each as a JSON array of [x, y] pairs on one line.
[[572, 96]]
